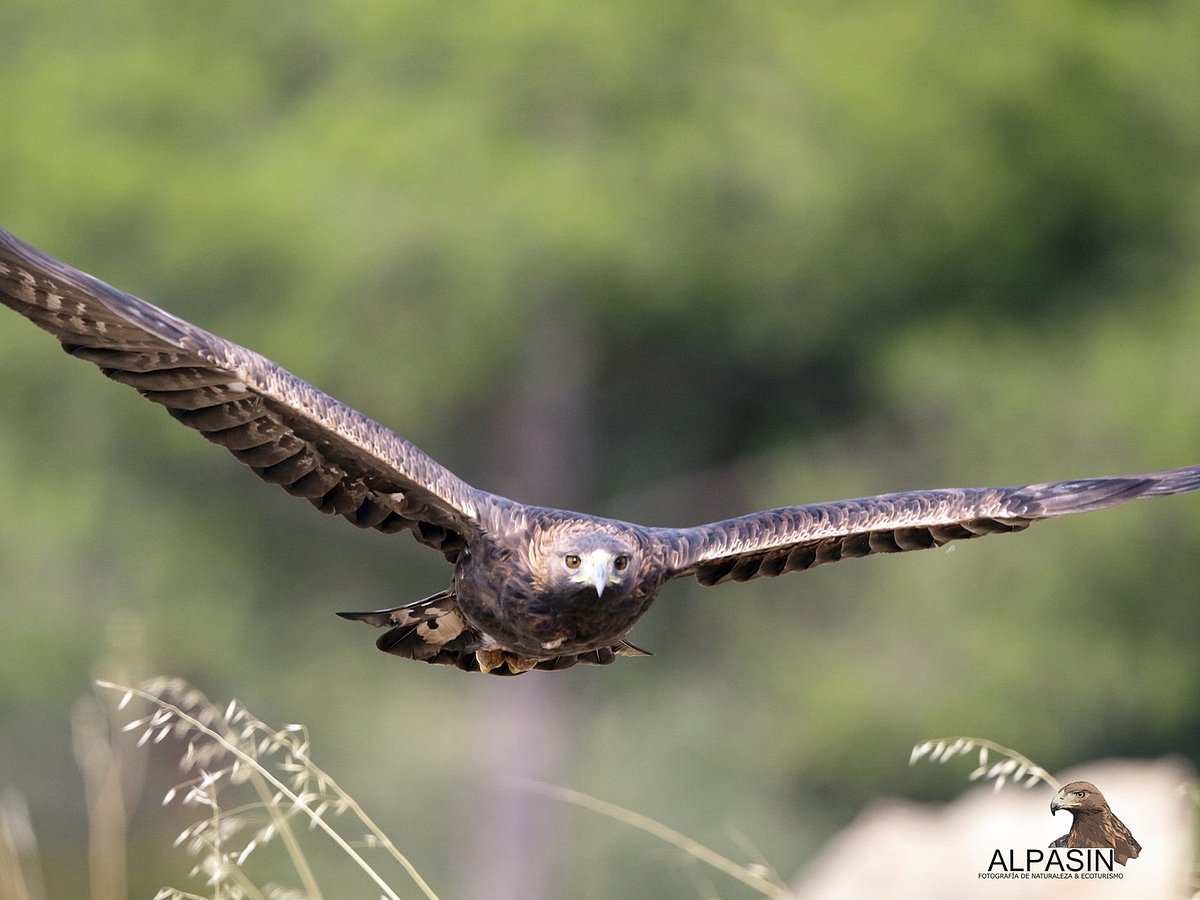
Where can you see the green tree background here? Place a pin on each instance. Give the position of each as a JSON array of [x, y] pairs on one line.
[[668, 262]]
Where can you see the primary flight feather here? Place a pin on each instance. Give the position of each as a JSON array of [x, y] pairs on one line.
[[532, 587]]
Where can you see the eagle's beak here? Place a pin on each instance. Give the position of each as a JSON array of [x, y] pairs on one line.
[[1056, 803], [598, 572]]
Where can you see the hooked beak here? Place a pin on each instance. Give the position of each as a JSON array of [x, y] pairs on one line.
[[597, 571]]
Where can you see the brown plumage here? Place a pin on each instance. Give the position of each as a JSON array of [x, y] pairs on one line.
[[532, 587], [1092, 822]]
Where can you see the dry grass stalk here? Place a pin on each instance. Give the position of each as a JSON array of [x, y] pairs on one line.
[[227, 748], [754, 875], [1011, 765]]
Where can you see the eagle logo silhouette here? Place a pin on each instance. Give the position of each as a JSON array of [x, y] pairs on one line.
[[1092, 822]]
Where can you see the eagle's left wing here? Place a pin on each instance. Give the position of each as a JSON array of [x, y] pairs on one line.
[[287, 431], [794, 538]]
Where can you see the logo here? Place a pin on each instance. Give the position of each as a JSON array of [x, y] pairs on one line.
[[1097, 842], [1068, 862], [1093, 823], [1095, 845]]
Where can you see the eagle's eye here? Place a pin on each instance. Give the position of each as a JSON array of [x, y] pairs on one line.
[[621, 563], [572, 560]]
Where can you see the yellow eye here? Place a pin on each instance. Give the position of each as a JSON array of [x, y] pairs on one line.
[[572, 560], [621, 563]]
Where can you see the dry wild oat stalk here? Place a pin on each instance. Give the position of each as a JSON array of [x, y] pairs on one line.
[[756, 875], [1011, 766], [231, 751]]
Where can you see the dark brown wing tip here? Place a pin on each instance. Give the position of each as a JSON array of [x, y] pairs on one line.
[[1086, 494]]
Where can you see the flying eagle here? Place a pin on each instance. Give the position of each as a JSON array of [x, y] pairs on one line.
[[532, 587], [1092, 822]]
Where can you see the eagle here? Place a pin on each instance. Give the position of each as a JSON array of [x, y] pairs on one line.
[[1092, 822], [532, 587]]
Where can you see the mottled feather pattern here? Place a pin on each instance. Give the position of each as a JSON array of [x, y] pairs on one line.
[[521, 596], [289, 432], [794, 538]]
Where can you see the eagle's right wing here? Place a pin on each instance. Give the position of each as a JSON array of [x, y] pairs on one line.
[[287, 431]]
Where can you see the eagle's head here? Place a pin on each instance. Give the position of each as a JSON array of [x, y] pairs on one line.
[[574, 559], [1080, 796]]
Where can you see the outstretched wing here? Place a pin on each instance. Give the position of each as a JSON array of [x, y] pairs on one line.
[[287, 431], [793, 538]]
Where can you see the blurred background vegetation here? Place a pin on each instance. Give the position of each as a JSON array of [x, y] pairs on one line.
[[667, 262]]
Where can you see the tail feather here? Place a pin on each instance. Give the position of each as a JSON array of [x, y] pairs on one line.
[[423, 630]]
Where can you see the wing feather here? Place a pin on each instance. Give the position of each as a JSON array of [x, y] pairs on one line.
[[283, 428], [794, 538]]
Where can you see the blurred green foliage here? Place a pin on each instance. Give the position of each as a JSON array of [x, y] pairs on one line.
[[725, 256]]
